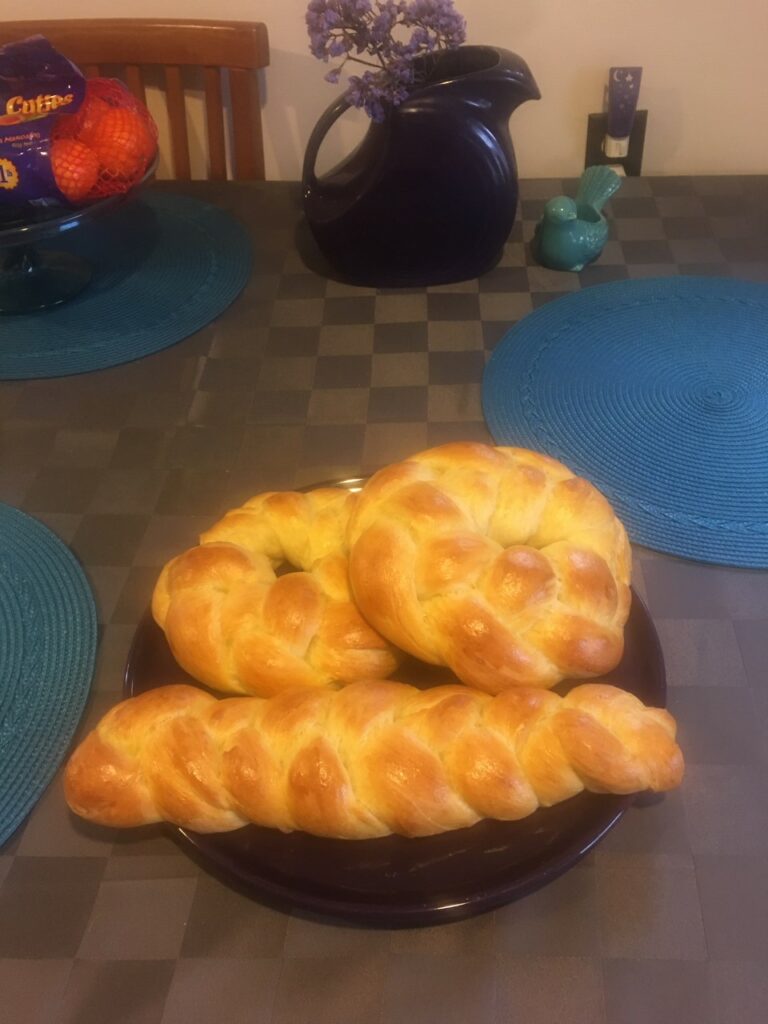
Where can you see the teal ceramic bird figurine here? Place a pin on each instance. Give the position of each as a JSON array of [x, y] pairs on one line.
[[572, 232]]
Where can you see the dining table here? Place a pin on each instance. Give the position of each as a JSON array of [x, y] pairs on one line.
[[305, 379]]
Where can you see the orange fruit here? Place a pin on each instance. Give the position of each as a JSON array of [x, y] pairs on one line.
[[75, 168], [121, 140], [79, 124]]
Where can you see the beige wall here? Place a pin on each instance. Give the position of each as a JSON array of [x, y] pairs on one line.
[[704, 82]]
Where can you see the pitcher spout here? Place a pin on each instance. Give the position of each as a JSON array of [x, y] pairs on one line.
[[524, 83], [510, 78], [479, 75]]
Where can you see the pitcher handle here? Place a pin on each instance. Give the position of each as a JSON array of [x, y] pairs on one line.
[[321, 129]]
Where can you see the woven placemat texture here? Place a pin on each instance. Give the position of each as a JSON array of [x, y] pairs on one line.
[[164, 266], [48, 629], [656, 391]]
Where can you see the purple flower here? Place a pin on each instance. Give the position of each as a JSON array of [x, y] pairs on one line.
[[386, 36]]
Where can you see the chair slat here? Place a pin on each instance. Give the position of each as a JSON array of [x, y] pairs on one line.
[[214, 116], [135, 81], [92, 71], [246, 127], [177, 118]]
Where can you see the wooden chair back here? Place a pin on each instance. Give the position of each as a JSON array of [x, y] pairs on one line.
[[135, 45]]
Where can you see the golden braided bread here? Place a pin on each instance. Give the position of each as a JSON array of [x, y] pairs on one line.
[[236, 626], [371, 759], [497, 562]]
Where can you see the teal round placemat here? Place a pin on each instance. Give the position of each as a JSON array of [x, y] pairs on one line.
[[165, 266], [656, 391], [47, 651]]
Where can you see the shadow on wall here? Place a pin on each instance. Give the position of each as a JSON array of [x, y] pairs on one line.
[[294, 96], [668, 128]]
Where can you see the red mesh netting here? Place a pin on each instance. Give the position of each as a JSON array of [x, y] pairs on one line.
[[104, 148]]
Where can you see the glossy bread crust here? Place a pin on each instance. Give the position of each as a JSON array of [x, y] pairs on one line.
[[496, 562], [236, 626], [371, 759]]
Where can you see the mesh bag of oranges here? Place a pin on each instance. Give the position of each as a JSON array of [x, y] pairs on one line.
[[63, 139], [104, 147]]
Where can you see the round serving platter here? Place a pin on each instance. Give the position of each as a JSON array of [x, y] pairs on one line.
[[396, 881]]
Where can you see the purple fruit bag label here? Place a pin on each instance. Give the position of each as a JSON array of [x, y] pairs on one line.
[[37, 87]]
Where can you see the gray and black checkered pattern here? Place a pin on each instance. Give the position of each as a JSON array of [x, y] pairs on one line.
[[300, 381]]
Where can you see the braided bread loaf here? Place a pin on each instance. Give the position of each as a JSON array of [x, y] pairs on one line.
[[373, 758], [497, 562], [236, 626]]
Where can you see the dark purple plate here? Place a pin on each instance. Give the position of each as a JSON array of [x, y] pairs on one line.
[[396, 881]]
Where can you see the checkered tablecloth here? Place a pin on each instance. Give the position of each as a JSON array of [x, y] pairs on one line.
[[304, 380]]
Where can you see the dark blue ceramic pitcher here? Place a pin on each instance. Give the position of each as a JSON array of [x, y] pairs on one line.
[[430, 194]]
